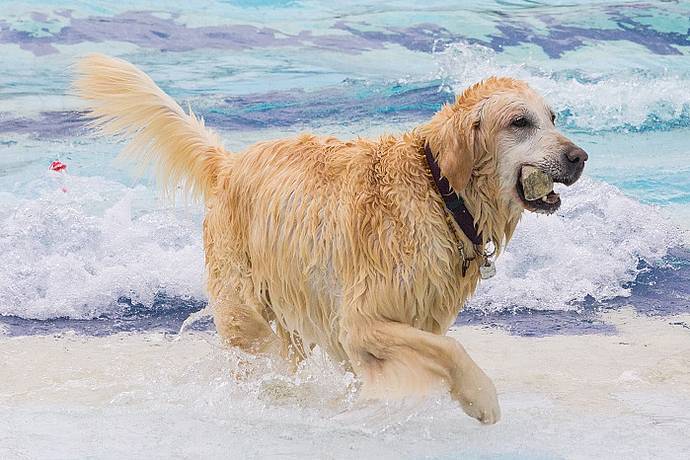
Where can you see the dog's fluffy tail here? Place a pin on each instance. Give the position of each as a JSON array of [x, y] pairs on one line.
[[123, 101]]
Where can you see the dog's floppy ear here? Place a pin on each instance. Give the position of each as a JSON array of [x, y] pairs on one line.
[[452, 138]]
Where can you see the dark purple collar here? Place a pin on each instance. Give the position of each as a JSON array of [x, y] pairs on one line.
[[454, 204]]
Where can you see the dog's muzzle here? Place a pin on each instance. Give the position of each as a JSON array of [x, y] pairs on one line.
[[535, 182]]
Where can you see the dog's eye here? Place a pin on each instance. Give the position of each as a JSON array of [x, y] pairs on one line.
[[553, 118], [520, 122]]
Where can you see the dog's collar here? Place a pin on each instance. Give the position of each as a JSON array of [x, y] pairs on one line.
[[454, 204]]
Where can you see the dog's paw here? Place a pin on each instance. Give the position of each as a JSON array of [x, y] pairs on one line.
[[486, 410], [477, 396]]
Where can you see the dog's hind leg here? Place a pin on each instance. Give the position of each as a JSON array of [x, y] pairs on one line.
[[239, 319], [242, 326], [244, 321], [395, 359]]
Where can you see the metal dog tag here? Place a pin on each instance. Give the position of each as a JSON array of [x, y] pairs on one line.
[[487, 269]]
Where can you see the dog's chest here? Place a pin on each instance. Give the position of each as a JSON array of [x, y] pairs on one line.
[[435, 290]]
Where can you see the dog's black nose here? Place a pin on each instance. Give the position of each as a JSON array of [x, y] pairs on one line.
[[576, 155], [573, 163]]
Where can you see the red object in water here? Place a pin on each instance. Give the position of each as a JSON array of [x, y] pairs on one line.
[[58, 166]]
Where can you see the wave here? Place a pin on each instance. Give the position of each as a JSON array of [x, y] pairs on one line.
[[590, 250], [101, 247], [628, 100], [78, 254]]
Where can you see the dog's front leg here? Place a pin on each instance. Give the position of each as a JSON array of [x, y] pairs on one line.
[[395, 359]]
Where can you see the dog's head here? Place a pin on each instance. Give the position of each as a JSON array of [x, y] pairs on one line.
[[498, 128]]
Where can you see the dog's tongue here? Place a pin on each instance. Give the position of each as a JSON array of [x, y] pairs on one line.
[[536, 184], [550, 198]]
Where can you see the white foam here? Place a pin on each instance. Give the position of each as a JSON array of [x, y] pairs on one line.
[[74, 254], [626, 98], [591, 247]]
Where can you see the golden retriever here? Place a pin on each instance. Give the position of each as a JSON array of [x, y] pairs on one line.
[[347, 245]]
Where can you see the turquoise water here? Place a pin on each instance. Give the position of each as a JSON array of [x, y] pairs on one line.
[[90, 252], [617, 75]]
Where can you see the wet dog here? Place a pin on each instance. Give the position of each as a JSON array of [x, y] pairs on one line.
[[365, 248]]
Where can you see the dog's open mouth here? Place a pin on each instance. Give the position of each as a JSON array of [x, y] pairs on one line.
[[535, 189]]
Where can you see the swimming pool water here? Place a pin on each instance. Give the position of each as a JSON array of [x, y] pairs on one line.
[[109, 253]]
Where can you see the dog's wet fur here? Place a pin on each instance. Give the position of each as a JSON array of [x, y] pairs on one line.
[[346, 245]]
